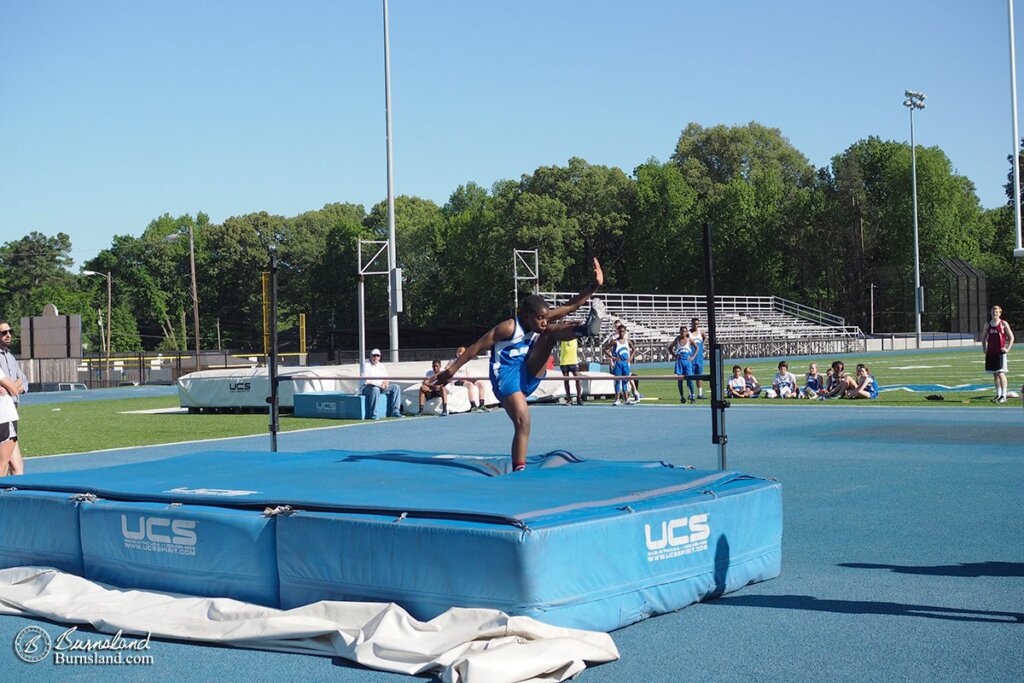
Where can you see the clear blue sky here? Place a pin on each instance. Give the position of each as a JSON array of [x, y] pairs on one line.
[[115, 112]]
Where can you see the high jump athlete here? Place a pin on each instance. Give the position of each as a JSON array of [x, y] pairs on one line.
[[520, 348]]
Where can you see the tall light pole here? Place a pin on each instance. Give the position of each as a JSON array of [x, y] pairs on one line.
[[915, 100], [195, 289], [395, 273], [109, 304], [1019, 250]]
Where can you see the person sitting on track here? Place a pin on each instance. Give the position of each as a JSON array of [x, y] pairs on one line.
[[814, 383], [520, 348], [784, 383], [863, 386], [752, 384], [474, 387], [429, 391], [737, 385]]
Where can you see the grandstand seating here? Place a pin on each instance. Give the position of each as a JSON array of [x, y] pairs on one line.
[[749, 326]]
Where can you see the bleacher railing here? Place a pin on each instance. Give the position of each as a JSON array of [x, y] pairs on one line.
[[749, 325]]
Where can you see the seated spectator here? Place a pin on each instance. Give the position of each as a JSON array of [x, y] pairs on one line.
[[837, 383], [753, 386], [736, 387], [814, 383], [784, 383], [429, 390], [864, 386], [475, 387], [376, 384]]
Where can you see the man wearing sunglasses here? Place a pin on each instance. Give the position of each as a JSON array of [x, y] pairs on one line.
[[10, 369]]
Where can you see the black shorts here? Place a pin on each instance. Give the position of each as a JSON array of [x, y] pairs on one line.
[[995, 362], [570, 369], [434, 393], [9, 430]]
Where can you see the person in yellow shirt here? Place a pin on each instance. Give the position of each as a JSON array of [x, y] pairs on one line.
[[569, 361]]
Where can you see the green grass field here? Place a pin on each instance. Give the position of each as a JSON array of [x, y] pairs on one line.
[[949, 367], [96, 425], [101, 424]]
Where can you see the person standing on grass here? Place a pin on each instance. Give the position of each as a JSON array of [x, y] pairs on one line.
[[697, 339], [620, 353], [996, 341], [568, 363], [18, 384], [685, 352], [9, 428], [520, 348]]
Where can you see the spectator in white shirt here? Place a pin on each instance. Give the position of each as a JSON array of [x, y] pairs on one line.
[[377, 384]]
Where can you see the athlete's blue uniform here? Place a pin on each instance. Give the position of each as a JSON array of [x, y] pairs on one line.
[[621, 368], [872, 387], [698, 362], [508, 368], [684, 366]]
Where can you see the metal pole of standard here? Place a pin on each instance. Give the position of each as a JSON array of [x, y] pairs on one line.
[[1019, 249], [718, 402], [272, 358], [394, 273]]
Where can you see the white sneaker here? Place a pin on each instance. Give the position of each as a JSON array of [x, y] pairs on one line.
[[592, 326], [630, 401], [617, 402], [1001, 399]]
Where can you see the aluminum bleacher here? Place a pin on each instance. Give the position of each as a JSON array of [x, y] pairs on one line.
[[747, 326]]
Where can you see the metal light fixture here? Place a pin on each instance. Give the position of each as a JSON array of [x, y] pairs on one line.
[[915, 100]]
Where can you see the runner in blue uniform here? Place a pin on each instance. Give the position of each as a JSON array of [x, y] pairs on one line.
[[520, 348], [685, 352], [697, 339], [620, 352]]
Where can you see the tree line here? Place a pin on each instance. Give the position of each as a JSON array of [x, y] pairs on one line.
[[837, 238]]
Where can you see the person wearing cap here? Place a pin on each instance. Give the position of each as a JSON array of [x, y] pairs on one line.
[[376, 383]]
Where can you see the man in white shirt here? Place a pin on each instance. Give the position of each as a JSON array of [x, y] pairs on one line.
[[376, 384]]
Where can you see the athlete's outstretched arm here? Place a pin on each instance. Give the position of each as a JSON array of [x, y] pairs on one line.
[[581, 298], [500, 332]]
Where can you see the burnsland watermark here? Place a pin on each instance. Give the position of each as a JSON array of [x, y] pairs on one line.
[[33, 644]]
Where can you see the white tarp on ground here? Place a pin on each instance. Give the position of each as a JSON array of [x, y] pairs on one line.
[[461, 645]]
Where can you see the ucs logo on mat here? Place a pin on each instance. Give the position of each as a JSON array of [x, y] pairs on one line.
[[32, 644], [159, 534], [676, 537]]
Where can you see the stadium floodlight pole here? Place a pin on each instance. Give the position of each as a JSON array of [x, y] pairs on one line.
[[1019, 250], [395, 274], [915, 100], [109, 306]]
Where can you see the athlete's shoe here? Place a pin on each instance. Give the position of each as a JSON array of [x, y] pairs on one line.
[[444, 412], [519, 468], [484, 408], [630, 401], [617, 402], [592, 326], [682, 400], [1001, 399], [995, 399], [692, 399]]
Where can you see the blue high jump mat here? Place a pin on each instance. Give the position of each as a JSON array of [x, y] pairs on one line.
[[572, 542]]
